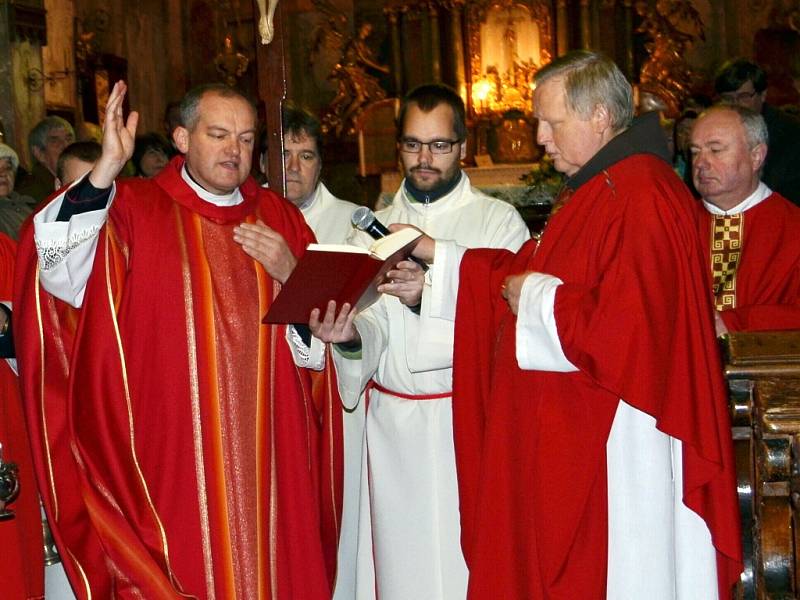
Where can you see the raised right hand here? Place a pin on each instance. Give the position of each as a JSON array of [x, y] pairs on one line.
[[118, 140]]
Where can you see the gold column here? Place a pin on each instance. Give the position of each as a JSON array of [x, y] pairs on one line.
[[586, 35], [436, 50], [628, 33], [457, 46], [562, 34], [397, 53]]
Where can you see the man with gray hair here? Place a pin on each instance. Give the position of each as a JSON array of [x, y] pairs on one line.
[[591, 430], [749, 231], [46, 142]]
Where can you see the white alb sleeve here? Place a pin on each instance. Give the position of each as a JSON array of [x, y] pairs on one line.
[[538, 346], [306, 357], [442, 292], [66, 248]]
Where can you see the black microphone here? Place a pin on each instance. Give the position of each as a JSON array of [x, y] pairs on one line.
[[364, 219]]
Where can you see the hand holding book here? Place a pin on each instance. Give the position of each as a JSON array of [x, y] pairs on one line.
[[344, 274]]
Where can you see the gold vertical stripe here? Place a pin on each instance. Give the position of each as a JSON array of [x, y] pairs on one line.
[[50, 474], [132, 437], [205, 286], [82, 574], [273, 480], [197, 426], [45, 434], [260, 449]]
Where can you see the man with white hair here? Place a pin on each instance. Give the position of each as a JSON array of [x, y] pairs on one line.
[[749, 230], [590, 416]]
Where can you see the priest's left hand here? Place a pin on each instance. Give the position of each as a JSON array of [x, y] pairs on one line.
[[268, 247], [405, 282], [511, 290]]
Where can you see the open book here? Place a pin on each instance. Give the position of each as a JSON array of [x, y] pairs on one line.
[[336, 272]]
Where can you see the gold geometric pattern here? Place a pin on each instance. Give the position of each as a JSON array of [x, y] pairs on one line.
[[726, 249]]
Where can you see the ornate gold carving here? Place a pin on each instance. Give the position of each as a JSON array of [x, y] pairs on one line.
[[672, 26], [230, 63], [355, 87], [503, 80]]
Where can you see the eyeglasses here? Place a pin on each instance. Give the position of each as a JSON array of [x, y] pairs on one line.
[[411, 146], [737, 97]]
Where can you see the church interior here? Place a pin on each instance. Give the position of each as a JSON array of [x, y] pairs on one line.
[[350, 61]]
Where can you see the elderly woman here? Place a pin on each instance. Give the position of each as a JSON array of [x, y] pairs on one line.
[[14, 208]]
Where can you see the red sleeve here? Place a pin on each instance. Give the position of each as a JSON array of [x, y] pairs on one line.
[[479, 310]]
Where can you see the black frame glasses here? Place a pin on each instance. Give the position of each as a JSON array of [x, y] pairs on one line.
[[412, 146]]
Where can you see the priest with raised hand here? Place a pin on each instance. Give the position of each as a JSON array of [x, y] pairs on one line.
[[179, 449], [591, 429]]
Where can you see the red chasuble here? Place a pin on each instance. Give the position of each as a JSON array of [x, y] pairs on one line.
[[754, 260], [182, 452], [634, 316], [22, 557]]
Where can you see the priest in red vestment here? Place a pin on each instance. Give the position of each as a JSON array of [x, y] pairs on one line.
[[591, 427], [750, 232], [21, 559], [180, 449]]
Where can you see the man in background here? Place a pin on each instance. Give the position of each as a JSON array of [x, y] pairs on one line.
[[46, 142], [75, 161], [749, 231], [745, 83], [327, 215]]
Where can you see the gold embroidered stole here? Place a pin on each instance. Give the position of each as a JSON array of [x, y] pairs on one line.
[[726, 250]]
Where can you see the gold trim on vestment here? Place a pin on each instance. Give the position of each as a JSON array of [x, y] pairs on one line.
[[82, 574], [42, 397], [273, 481], [197, 425], [134, 457], [727, 233]]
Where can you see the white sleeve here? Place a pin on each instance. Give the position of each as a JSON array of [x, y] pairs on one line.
[[307, 357], [355, 369], [443, 276], [66, 248], [538, 346]]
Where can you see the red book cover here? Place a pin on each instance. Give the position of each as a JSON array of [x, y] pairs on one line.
[[342, 273]]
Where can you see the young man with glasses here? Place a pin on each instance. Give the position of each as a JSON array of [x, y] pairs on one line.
[[408, 541], [744, 83]]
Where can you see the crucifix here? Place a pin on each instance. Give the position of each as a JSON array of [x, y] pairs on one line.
[[273, 84], [266, 27]]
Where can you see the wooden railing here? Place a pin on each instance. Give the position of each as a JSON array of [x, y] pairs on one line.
[[763, 375]]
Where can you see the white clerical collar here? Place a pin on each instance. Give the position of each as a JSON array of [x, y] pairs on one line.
[[232, 199], [761, 193], [305, 206]]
